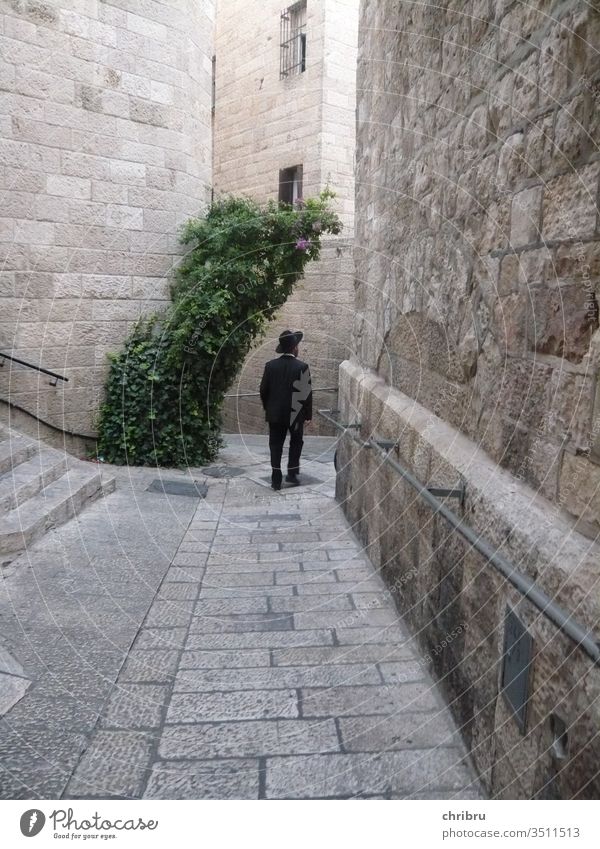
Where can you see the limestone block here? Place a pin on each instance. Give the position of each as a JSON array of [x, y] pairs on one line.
[[525, 216], [579, 489], [562, 321], [569, 208], [571, 130], [69, 187], [539, 146]]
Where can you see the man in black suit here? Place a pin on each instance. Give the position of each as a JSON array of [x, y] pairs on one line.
[[286, 395]]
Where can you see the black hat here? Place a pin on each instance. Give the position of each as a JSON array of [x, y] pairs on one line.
[[288, 341]]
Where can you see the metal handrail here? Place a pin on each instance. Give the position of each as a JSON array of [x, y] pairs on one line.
[[257, 394], [52, 374], [525, 585]]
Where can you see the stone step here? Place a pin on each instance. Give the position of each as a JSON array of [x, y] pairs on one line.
[[27, 479], [15, 449], [56, 503]]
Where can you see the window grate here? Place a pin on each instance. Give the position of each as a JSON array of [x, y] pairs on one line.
[[293, 40]]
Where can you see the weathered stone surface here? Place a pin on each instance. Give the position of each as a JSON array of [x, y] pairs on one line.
[[456, 601], [154, 717], [249, 739], [359, 775], [227, 706], [115, 764], [233, 779], [443, 325], [135, 706], [98, 184]]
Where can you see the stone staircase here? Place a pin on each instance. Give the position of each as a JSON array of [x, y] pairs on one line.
[[41, 487]]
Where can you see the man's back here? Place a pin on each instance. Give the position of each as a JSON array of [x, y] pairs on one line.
[[285, 390]]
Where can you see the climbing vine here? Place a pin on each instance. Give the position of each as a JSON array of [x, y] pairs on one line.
[[166, 387]]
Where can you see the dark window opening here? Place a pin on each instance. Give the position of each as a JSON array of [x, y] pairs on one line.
[[293, 40], [290, 184]]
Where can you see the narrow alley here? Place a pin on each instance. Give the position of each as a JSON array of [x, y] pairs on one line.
[[237, 645]]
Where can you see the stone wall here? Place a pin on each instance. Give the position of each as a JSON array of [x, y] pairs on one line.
[[455, 601], [105, 149], [478, 250], [264, 124], [477, 348]]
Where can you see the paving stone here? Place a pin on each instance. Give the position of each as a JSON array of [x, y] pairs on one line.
[[402, 731], [361, 635], [276, 678], [309, 567], [222, 779], [12, 688], [277, 557], [342, 554], [384, 699], [185, 574], [241, 623], [37, 762], [341, 654], [355, 575], [169, 613], [374, 601], [135, 706], [231, 606], [342, 587], [191, 559], [225, 659], [310, 604], [248, 551], [337, 619], [185, 591], [315, 558], [223, 707], [234, 579], [158, 665], [258, 640], [116, 763], [249, 739], [248, 565], [401, 672], [245, 592], [52, 711], [160, 638], [343, 776], [309, 578], [10, 665]]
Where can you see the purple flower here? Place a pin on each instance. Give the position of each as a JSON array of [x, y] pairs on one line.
[[302, 245]]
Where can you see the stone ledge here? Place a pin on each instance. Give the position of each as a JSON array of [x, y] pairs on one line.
[[527, 527]]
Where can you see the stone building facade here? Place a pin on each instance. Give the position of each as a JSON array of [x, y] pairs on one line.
[[477, 353], [105, 149], [268, 119]]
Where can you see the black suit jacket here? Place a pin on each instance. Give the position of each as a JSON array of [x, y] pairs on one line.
[[286, 391]]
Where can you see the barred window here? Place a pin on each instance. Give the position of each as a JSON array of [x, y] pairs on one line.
[[290, 184], [293, 40]]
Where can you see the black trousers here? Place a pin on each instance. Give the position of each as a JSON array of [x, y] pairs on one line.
[[277, 435]]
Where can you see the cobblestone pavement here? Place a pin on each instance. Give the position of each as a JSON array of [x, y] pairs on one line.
[[238, 646]]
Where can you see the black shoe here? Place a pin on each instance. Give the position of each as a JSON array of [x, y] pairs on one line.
[[292, 479], [276, 481]]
